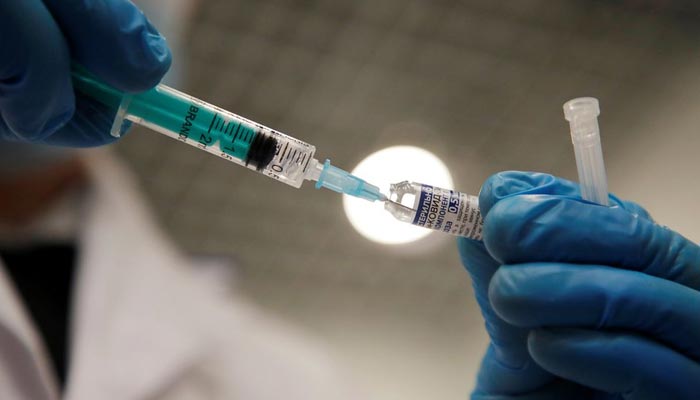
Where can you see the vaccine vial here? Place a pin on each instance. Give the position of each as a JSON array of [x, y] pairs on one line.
[[436, 208]]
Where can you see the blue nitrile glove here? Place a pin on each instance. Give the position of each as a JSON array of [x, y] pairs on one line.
[[582, 301], [38, 40]]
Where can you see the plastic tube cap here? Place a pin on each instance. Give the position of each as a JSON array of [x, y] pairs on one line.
[[582, 107], [582, 114]]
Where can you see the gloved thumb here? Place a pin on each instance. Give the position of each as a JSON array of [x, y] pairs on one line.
[[515, 183], [511, 183]]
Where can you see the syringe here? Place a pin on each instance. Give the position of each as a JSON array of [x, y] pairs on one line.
[[223, 134]]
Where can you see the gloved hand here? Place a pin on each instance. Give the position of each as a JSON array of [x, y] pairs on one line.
[[38, 40], [582, 301]]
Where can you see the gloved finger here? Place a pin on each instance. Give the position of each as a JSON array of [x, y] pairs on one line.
[[497, 377], [529, 228], [113, 40], [89, 126], [36, 97], [480, 265], [591, 296], [511, 183], [614, 362], [510, 384]]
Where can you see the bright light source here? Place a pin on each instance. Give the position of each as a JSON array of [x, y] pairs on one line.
[[392, 165]]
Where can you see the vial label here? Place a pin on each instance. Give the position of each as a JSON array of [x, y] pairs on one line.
[[449, 211]]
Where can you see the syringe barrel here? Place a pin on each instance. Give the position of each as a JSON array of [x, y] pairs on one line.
[[206, 127]]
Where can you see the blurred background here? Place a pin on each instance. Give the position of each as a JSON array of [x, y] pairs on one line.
[[480, 84]]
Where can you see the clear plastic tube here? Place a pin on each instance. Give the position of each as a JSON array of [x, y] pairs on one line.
[[582, 114]]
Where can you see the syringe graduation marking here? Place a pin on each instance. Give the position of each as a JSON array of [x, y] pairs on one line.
[[286, 145], [212, 122], [236, 145]]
